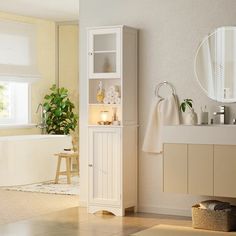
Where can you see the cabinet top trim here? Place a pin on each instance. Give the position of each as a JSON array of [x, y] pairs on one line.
[[124, 27]]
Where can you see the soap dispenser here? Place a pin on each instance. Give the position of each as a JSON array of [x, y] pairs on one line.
[[203, 117]]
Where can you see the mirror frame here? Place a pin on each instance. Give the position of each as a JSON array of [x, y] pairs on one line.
[[195, 62]]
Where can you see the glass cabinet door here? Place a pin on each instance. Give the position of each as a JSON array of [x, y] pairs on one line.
[[104, 53]]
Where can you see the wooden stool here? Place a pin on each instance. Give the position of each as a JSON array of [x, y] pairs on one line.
[[68, 157]]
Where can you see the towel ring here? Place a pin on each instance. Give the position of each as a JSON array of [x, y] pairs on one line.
[[164, 83]]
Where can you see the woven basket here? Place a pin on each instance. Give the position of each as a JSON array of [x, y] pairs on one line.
[[213, 220]]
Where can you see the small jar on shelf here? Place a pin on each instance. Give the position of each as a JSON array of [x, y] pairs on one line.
[[115, 120]]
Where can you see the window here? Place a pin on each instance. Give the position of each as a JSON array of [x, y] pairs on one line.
[[5, 112], [14, 103], [17, 71]]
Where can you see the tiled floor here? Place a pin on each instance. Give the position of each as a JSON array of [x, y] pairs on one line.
[[76, 221]]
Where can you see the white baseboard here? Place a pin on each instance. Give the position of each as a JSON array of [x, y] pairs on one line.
[[155, 209], [164, 210]]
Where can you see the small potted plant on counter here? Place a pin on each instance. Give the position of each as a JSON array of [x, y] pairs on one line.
[[60, 117], [189, 116]]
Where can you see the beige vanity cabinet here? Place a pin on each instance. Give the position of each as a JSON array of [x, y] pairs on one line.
[[175, 168], [188, 169], [200, 169], [225, 170]]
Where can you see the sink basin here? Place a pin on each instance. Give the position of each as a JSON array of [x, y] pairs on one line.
[[200, 134]]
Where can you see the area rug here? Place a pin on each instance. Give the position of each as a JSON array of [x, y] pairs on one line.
[[169, 230], [50, 187], [17, 206]]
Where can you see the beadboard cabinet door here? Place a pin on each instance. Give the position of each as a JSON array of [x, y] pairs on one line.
[[224, 170], [105, 166], [200, 169], [175, 168]]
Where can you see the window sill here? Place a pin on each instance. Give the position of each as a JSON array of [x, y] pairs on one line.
[[17, 126]]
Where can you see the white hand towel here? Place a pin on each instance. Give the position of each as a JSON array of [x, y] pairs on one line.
[[163, 112]]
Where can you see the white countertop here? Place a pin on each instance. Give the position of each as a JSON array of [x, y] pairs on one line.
[[200, 134]]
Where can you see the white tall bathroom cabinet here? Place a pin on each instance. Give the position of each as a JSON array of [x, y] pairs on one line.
[[112, 149]]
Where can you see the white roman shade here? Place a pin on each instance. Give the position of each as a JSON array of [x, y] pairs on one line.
[[18, 60]]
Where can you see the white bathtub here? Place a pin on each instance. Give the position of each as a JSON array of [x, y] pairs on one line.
[[30, 159]]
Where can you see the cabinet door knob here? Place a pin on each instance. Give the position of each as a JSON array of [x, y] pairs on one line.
[[90, 165]]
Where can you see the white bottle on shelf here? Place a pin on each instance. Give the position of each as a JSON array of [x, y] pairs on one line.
[[203, 117]]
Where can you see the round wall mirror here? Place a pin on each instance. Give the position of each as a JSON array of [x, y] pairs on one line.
[[215, 64]]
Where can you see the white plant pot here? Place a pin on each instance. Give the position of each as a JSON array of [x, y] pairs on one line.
[[190, 118]]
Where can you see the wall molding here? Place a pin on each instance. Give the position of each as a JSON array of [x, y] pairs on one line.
[[164, 210], [73, 22]]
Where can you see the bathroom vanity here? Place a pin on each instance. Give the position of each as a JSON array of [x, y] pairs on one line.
[[200, 160]]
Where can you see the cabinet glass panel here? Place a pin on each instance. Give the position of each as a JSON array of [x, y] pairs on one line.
[[104, 62], [105, 42]]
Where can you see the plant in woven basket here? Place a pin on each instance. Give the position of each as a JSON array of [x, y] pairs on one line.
[[59, 111]]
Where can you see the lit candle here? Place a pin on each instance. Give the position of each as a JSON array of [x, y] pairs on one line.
[[104, 116]]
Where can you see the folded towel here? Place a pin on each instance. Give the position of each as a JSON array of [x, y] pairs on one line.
[[114, 88], [106, 100], [214, 205], [116, 94], [117, 100], [109, 94], [163, 112], [111, 100]]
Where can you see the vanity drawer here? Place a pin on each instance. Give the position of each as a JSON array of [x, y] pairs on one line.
[[200, 169], [175, 168], [225, 170]]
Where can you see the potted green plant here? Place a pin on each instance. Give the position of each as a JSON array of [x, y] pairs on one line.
[[189, 117], [60, 117], [187, 103]]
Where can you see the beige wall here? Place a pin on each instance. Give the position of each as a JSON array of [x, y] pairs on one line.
[[170, 32], [68, 60], [46, 65]]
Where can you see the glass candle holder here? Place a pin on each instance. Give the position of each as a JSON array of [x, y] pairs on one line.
[[104, 116]]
